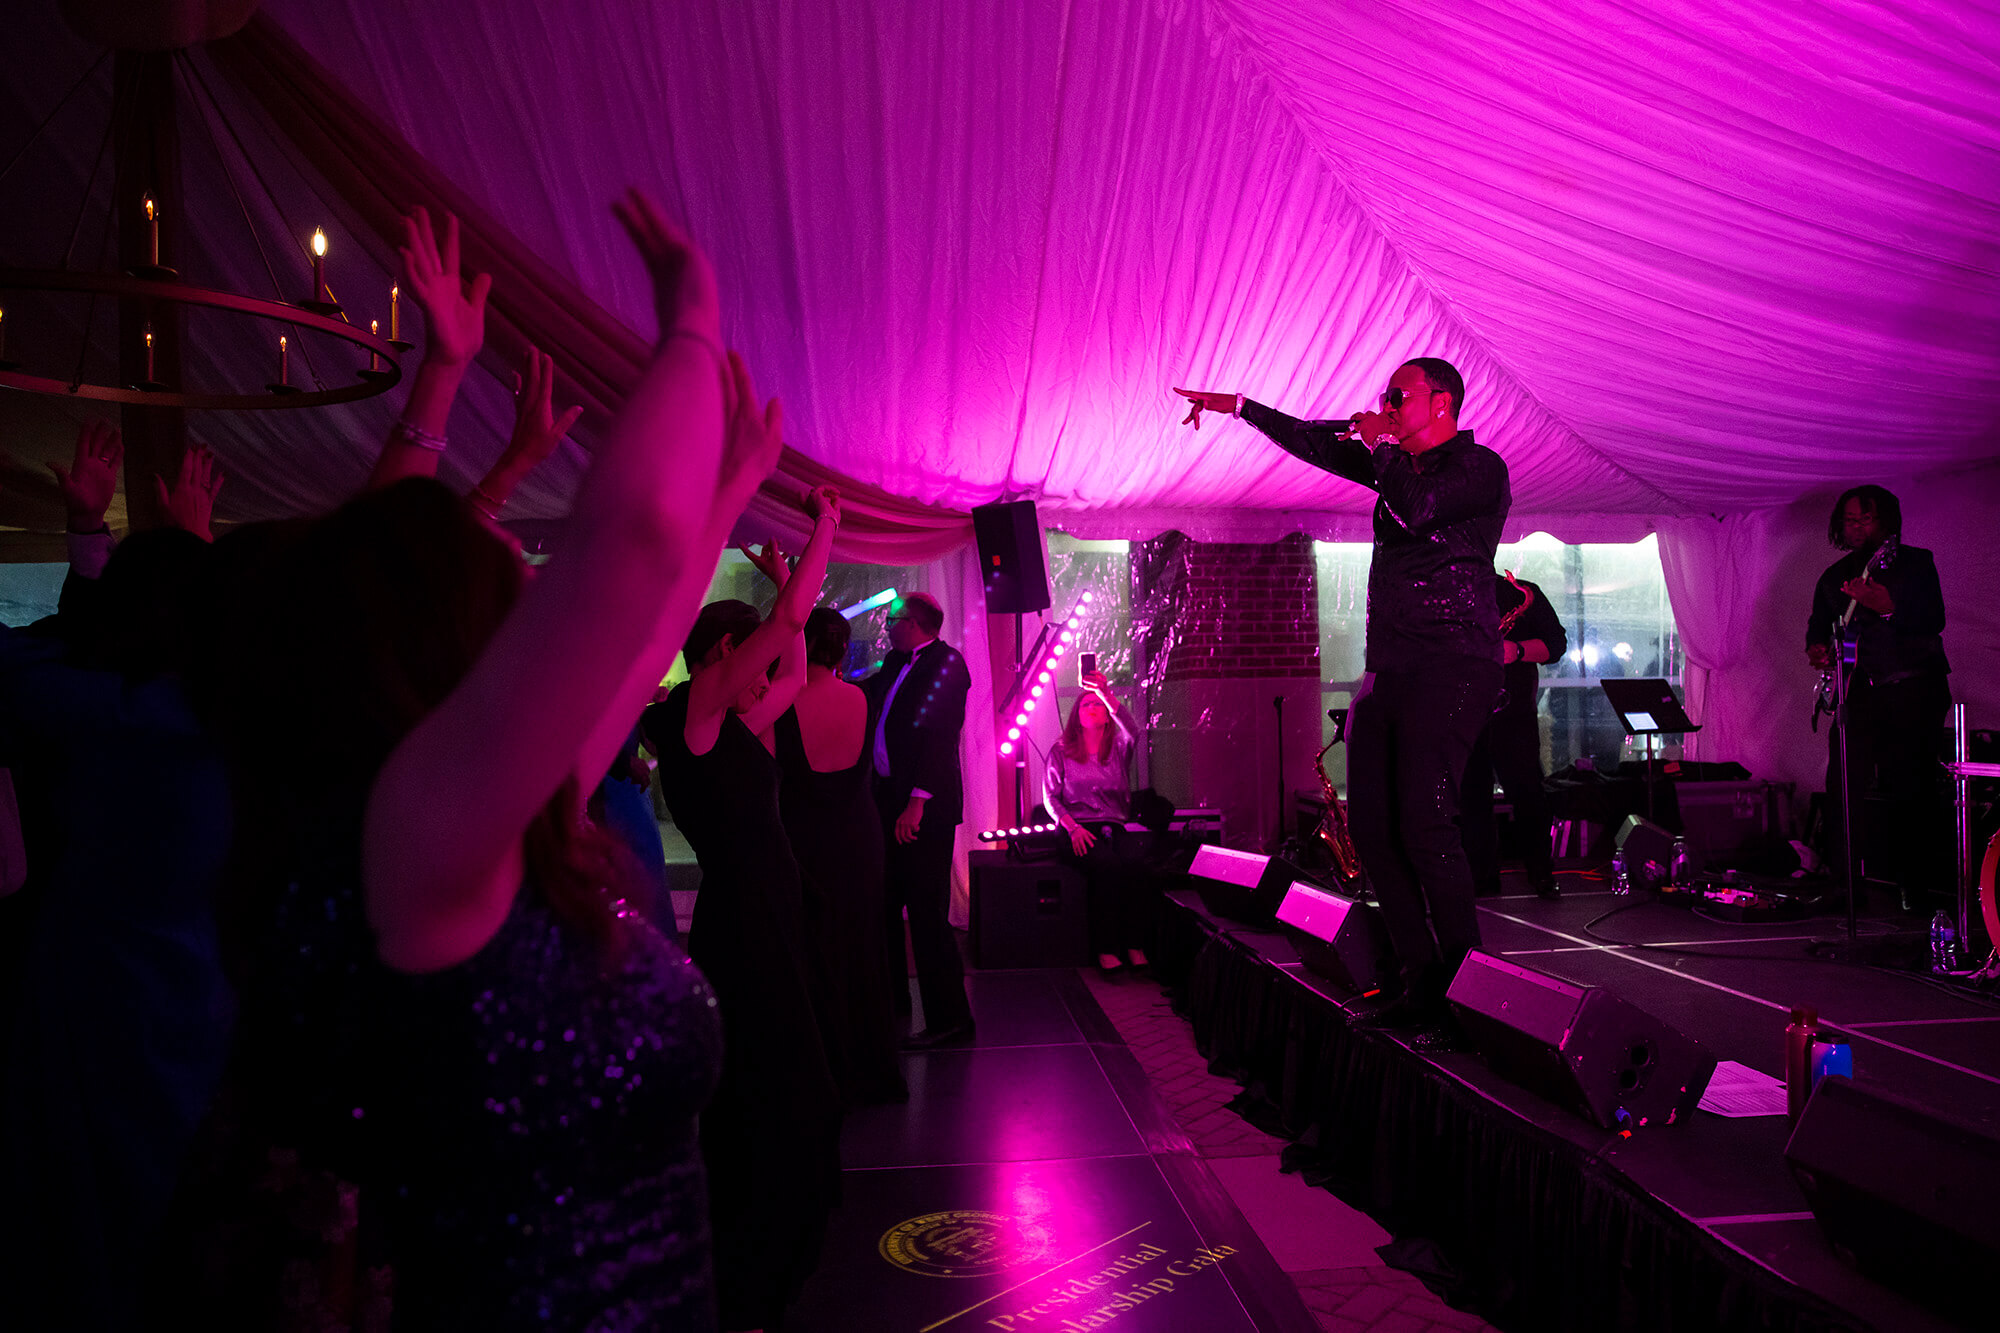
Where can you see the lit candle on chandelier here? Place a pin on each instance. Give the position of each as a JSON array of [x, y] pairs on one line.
[[149, 353], [152, 232], [395, 324], [374, 357], [319, 264], [284, 362]]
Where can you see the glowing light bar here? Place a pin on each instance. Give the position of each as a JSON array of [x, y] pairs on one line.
[[883, 598], [1044, 679], [1026, 830]]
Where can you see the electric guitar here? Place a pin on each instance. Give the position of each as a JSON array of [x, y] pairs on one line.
[[1823, 701]]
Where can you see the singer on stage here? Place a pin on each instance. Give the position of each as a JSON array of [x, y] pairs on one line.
[[1433, 653], [1897, 696]]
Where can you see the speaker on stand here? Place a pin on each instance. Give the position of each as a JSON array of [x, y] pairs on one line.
[[1015, 578]]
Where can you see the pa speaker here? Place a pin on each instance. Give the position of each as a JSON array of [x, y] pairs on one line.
[[1340, 938], [1902, 1192], [1010, 558], [1027, 915], [1579, 1046], [1242, 886]]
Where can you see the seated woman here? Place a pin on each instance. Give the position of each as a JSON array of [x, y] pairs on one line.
[[1090, 795], [770, 1138]]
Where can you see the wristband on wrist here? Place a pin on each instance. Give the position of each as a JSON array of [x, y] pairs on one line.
[[416, 436], [484, 500], [1237, 410]]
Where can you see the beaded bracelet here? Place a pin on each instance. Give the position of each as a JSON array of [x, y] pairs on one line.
[[417, 436]]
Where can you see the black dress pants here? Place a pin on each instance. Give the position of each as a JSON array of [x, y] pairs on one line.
[[917, 876], [1898, 734], [1412, 732], [1510, 749], [1120, 896]]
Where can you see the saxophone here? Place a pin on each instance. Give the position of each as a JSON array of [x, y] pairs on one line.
[[1332, 828]]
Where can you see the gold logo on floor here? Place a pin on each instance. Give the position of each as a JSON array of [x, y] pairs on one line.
[[963, 1243]]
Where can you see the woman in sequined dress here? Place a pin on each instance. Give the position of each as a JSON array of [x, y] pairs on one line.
[[446, 1005], [771, 1137]]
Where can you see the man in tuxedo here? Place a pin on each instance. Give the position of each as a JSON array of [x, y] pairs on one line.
[[916, 707]]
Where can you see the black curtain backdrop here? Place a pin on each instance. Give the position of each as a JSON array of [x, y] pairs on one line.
[[1530, 1229]]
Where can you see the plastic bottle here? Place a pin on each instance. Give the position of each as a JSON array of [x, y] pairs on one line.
[[1799, 1036]]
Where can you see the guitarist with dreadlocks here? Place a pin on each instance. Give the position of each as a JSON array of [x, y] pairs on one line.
[[1887, 596], [1511, 746]]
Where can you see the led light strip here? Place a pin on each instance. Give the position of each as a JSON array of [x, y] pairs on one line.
[[1043, 684]]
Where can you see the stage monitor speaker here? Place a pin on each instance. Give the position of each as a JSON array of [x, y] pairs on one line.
[[1340, 938], [1243, 886], [1010, 558], [1648, 857], [1579, 1045], [1903, 1192], [1031, 915]]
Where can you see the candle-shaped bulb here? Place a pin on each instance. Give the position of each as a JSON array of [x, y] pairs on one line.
[[152, 231], [395, 324], [319, 264], [148, 331], [374, 357], [284, 362]]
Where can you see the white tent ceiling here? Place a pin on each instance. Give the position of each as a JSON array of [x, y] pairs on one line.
[[1692, 257]]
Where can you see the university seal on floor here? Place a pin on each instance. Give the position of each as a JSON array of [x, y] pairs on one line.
[[962, 1243]]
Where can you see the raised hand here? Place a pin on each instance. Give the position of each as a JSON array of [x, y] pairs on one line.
[[190, 505], [823, 502], [754, 441], [454, 310], [684, 294], [1205, 400], [1097, 684], [91, 479], [770, 562], [537, 428]]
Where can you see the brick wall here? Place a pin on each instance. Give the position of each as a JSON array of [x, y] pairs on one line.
[[1243, 611]]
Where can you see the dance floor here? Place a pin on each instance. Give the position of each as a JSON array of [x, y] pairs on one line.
[[1035, 1181], [1542, 1220]]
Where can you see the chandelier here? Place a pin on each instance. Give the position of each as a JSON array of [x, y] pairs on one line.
[[318, 355]]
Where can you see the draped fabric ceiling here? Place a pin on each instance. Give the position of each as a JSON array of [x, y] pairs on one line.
[[1692, 258]]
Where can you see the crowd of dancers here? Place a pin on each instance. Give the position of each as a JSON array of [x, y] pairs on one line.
[[341, 987]]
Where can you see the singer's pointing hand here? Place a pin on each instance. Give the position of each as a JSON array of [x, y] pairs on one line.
[[1203, 398]]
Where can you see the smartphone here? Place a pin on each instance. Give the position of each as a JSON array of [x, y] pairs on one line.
[[1086, 664]]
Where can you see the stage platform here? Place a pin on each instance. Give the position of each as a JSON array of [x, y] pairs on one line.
[[1035, 1183], [1542, 1220]]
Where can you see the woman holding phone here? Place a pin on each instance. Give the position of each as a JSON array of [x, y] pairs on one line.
[[1087, 789]]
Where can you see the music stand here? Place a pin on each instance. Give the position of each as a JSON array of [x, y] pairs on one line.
[[1648, 708]]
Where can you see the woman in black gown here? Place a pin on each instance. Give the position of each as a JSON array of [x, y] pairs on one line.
[[836, 834], [770, 1138]]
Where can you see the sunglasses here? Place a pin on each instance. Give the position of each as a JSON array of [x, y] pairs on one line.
[[1395, 395]]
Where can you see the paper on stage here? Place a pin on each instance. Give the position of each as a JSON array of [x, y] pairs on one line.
[[1738, 1090]]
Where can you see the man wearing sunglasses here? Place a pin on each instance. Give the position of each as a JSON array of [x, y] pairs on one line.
[[1433, 653]]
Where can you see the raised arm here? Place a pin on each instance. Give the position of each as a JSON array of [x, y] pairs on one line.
[[441, 840], [779, 638], [454, 329], [1324, 444], [537, 431]]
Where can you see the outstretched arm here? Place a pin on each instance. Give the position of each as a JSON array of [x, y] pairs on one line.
[[1324, 444], [454, 329], [441, 841]]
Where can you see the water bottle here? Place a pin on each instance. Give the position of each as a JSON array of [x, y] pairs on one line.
[[1944, 944]]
